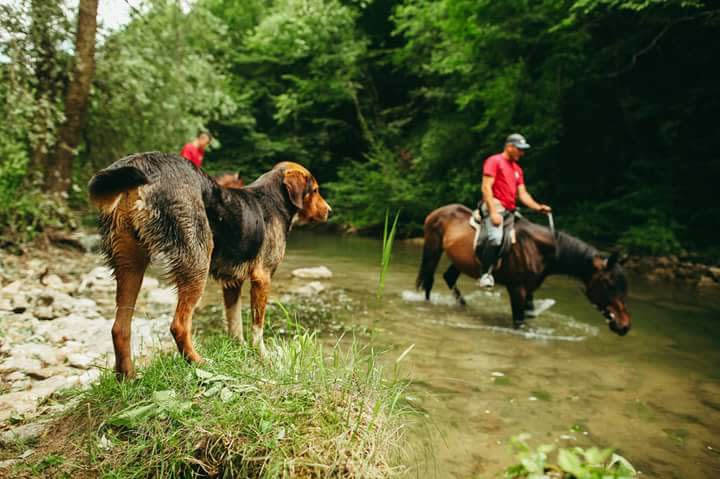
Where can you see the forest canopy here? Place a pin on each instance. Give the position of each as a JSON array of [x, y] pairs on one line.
[[391, 104]]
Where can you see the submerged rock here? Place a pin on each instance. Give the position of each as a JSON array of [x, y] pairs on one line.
[[310, 289], [319, 272]]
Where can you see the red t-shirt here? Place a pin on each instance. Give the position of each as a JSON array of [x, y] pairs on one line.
[[193, 154], [508, 177]]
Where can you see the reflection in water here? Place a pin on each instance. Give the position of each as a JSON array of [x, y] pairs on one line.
[[566, 379]]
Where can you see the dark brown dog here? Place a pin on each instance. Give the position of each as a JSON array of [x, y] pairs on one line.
[[159, 206]]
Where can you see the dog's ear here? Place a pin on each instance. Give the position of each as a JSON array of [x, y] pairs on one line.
[[295, 182]]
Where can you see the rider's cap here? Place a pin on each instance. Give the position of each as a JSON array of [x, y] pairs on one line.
[[518, 141]]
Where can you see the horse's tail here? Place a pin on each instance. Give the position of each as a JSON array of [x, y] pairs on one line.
[[432, 251]]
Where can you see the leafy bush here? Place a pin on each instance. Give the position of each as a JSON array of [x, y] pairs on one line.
[[652, 238], [24, 211], [573, 463]]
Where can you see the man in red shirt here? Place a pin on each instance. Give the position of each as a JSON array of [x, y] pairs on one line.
[[195, 150], [503, 182]]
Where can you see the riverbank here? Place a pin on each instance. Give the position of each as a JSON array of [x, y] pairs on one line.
[[311, 411]]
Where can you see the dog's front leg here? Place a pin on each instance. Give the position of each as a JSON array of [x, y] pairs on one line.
[[233, 311], [258, 300]]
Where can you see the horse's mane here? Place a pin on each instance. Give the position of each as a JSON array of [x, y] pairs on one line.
[[564, 254], [573, 257]]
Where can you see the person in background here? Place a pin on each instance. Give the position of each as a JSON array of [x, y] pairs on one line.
[[195, 150]]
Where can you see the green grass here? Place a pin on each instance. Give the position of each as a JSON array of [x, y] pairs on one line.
[[313, 412], [387, 244]]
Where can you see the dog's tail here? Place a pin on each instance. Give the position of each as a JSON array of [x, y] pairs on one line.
[[432, 251], [106, 186]]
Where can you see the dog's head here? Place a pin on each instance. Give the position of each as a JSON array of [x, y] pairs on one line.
[[304, 193]]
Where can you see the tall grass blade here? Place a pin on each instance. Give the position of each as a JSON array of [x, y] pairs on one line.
[[388, 239]]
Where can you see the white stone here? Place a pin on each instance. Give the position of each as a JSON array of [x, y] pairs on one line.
[[163, 296], [15, 376], [89, 376], [46, 387], [150, 282], [20, 363], [44, 352], [53, 281], [81, 361], [319, 272], [100, 278], [12, 288], [45, 313], [24, 433], [84, 305]]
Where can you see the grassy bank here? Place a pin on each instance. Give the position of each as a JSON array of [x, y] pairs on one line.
[[313, 412]]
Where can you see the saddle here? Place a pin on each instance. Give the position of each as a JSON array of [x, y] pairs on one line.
[[481, 235]]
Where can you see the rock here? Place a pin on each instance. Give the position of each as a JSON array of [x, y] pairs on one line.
[[310, 289], [20, 303], [319, 272], [53, 281], [162, 296], [8, 463], [15, 376], [44, 352], [100, 278], [45, 388], [13, 288], [16, 403], [714, 273], [20, 363], [150, 283], [45, 313], [24, 433], [89, 376], [91, 242], [664, 262], [80, 361], [84, 305], [707, 282]]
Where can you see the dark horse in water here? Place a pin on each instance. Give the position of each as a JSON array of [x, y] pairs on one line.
[[535, 254]]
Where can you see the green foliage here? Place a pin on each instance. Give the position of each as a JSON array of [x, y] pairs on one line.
[[24, 210], [157, 83], [573, 463], [652, 238]]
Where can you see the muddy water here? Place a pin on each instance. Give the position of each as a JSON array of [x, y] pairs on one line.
[[567, 380]]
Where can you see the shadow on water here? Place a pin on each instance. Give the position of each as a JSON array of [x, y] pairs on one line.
[[566, 379]]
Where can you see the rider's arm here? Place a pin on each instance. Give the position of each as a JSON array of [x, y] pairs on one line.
[[488, 198], [525, 197]]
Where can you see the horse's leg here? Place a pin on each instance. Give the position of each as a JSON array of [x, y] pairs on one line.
[[518, 296], [529, 301], [451, 276]]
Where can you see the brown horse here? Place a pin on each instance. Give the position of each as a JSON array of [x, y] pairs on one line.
[[535, 254]]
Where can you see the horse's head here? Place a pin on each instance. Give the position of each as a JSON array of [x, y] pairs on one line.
[[607, 290]]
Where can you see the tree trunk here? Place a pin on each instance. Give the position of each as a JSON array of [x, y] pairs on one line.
[[48, 80], [59, 166]]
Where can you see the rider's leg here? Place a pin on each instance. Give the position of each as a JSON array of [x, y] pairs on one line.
[[492, 247]]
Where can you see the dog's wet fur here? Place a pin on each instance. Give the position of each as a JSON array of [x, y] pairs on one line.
[[156, 206]]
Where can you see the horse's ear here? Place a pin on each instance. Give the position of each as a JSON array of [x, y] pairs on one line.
[[613, 260]]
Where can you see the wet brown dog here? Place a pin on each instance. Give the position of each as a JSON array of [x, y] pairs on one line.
[[159, 206]]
